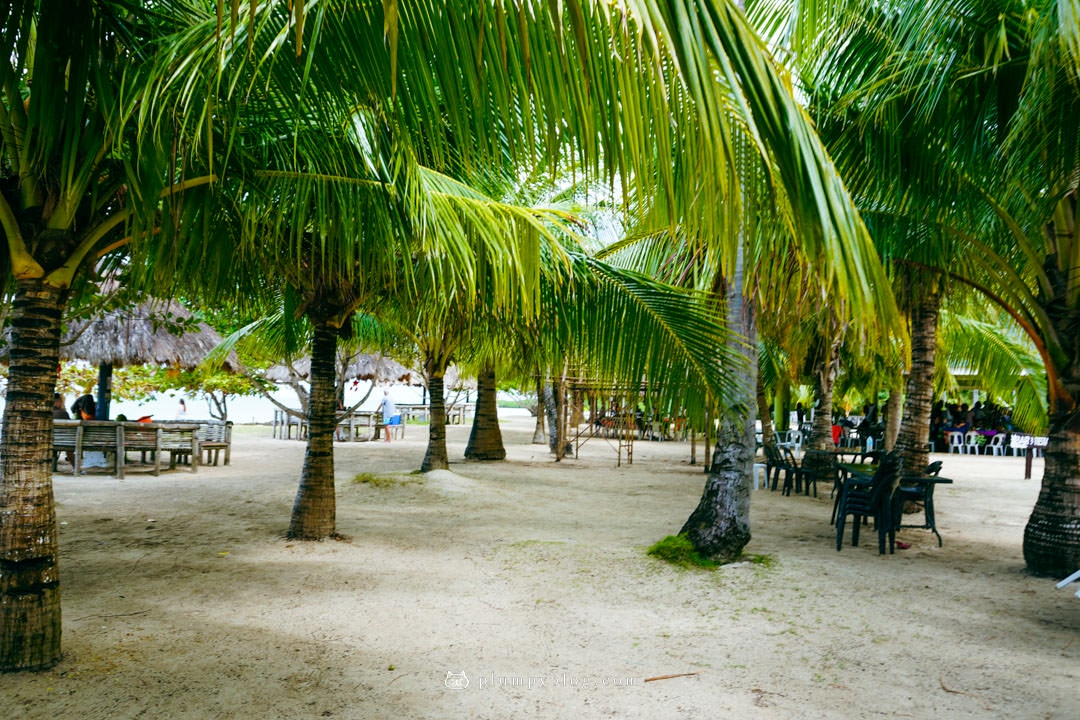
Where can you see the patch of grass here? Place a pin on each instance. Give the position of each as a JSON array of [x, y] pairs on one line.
[[765, 561], [379, 481], [678, 550]]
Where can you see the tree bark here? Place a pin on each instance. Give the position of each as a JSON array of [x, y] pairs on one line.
[[894, 409], [436, 456], [919, 397], [1052, 534], [551, 413], [719, 527], [539, 436], [485, 438], [30, 617], [314, 514], [768, 432], [819, 465]]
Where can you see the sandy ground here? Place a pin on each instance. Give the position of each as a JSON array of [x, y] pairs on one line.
[[522, 589]]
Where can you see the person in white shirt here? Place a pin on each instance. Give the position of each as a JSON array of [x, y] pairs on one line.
[[389, 414]]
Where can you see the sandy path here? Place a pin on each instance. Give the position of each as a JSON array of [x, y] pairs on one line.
[[529, 579]]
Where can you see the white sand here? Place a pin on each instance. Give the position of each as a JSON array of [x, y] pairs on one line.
[[529, 579]]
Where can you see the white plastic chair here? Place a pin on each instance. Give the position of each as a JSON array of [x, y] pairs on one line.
[[956, 442], [761, 473], [971, 443], [997, 445]]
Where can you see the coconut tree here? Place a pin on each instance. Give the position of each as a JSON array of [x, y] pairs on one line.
[[985, 94], [74, 186], [635, 96], [485, 437]]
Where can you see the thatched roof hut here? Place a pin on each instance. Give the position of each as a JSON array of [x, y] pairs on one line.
[[362, 366], [159, 331]]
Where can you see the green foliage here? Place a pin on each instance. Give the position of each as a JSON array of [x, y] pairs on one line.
[[678, 550], [145, 382], [379, 481], [765, 561]]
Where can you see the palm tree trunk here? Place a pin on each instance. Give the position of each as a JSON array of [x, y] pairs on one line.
[[315, 510], [555, 412], [719, 527], [436, 456], [894, 409], [1052, 534], [780, 417], [818, 466], [30, 620], [828, 367], [919, 398], [539, 435], [485, 438], [768, 431]]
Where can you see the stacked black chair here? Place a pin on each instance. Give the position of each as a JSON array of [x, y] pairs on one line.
[[860, 499]]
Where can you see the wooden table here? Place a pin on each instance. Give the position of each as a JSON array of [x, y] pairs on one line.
[[359, 425]]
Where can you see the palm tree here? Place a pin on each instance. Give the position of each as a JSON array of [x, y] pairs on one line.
[[632, 97], [75, 186], [985, 96], [485, 438]]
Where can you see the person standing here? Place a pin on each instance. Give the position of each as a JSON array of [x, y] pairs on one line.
[[181, 410], [389, 413]]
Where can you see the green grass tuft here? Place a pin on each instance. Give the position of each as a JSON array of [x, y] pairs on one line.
[[379, 481], [678, 550], [765, 561]]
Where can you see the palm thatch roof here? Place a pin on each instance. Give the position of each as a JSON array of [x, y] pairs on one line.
[[361, 366], [157, 331]]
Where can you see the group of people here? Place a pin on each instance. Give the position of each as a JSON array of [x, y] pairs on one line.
[[959, 417], [84, 408]]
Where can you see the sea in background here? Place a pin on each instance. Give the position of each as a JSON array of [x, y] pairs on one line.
[[259, 410]]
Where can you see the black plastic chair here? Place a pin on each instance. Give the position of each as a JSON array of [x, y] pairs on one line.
[[775, 462], [871, 499], [922, 498], [819, 466]]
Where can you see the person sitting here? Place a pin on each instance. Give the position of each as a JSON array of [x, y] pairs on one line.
[[84, 408], [59, 412]]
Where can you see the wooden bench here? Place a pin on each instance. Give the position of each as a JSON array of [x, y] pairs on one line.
[[144, 438], [181, 441], [397, 430], [115, 438], [66, 437], [214, 437], [102, 436]]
